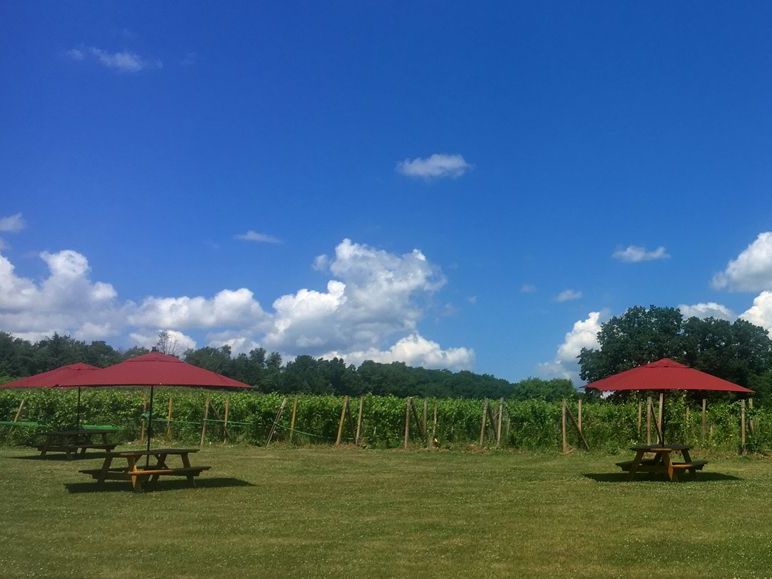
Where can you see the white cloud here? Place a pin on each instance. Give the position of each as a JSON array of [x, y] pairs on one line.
[[637, 254], [122, 61], [66, 301], [413, 350], [178, 342], [239, 344], [584, 334], [258, 237], [751, 270], [760, 313], [12, 223], [371, 306], [437, 166], [707, 310], [375, 295], [227, 308], [527, 288], [568, 295]]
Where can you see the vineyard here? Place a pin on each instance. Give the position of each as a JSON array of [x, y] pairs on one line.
[[380, 421]]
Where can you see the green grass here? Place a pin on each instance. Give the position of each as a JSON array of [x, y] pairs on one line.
[[349, 512]]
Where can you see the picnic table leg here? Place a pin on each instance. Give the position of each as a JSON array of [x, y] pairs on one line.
[[671, 472], [136, 479], [186, 464], [105, 469], [161, 463], [636, 463]]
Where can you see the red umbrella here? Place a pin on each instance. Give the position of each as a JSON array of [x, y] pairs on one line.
[[665, 374], [54, 378], [154, 369]]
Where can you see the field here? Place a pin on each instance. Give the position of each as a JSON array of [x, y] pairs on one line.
[[349, 512]]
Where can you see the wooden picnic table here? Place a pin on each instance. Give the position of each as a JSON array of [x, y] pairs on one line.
[[139, 471], [660, 461], [73, 441]]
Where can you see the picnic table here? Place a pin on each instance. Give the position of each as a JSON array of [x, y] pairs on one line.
[[149, 472], [657, 458], [73, 441]]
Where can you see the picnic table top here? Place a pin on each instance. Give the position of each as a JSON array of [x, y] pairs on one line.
[[660, 447], [153, 451], [77, 432]]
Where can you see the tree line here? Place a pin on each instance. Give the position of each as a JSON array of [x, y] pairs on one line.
[[267, 372], [737, 351]]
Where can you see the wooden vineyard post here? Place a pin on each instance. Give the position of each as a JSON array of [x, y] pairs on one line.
[[276, 420], [499, 419], [425, 421], [225, 420], [293, 418], [660, 417], [421, 425], [342, 419], [407, 422], [482, 424], [203, 424], [640, 416], [358, 435], [579, 417], [751, 424], [648, 419], [18, 411], [563, 426], [169, 412], [578, 427], [742, 426], [434, 427], [16, 416], [704, 418]]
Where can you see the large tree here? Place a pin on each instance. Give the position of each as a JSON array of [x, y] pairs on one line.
[[737, 351]]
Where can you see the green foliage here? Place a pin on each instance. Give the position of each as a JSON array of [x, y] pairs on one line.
[[527, 424]]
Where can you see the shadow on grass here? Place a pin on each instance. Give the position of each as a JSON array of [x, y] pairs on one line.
[[160, 486], [623, 477]]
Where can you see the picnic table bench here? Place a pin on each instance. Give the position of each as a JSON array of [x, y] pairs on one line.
[[661, 462], [73, 442], [155, 466]]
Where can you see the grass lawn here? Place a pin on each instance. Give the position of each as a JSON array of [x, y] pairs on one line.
[[349, 512]]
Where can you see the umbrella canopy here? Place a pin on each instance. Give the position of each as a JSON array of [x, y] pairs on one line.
[[53, 377], [154, 369], [665, 374]]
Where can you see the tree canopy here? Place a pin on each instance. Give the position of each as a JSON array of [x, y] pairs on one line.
[[736, 351], [267, 372]]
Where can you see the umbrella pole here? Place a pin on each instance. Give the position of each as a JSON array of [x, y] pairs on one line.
[[149, 428]]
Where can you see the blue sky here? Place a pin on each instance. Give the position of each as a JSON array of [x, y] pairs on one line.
[[470, 171]]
